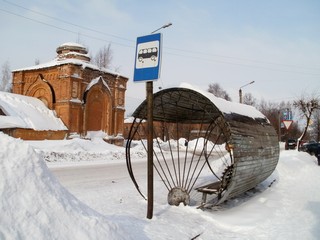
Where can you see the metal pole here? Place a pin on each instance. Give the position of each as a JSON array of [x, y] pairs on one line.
[[240, 91], [279, 136], [149, 88]]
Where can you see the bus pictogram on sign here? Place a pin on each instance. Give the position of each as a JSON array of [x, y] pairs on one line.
[[151, 53], [148, 58]]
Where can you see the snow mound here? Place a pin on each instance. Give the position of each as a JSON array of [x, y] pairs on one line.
[[27, 112], [76, 150], [33, 204]]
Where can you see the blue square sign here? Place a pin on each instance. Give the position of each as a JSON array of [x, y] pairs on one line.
[[148, 58]]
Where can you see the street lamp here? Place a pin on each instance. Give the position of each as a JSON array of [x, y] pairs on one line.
[[149, 92], [164, 26], [240, 90]]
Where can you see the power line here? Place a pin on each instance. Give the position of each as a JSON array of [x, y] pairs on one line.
[[242, 59], [169, 48], [66, 30], [70, 23], [243, 64]]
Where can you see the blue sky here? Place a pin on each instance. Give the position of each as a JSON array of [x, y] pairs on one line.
[[274, 43]]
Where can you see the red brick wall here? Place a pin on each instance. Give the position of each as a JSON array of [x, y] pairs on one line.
[[62, 88]]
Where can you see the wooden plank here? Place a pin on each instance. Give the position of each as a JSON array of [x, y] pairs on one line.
[[209, 188]]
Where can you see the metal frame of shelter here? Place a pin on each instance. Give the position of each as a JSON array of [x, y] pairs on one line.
[[199, 149]]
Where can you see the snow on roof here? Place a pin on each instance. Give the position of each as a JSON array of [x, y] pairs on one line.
[[95, 81], [10, 122], [74, 54], [27, 112], [129, 120], [227, 107], [72, 44], [58, 62]]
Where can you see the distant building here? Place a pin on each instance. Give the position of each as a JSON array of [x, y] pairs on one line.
[[85, 97]]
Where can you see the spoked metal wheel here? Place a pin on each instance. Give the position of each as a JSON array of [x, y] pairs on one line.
[[186, 156]]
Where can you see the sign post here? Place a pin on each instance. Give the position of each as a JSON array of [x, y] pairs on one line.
[[149, 89], [147, 68], [148, 58], [285, 120]]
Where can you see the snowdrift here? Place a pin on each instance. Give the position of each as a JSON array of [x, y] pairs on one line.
[[34, 205]]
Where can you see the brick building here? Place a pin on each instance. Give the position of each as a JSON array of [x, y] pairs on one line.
[[87, 98]]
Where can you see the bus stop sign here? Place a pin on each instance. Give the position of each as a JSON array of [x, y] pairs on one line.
[[148, 58]]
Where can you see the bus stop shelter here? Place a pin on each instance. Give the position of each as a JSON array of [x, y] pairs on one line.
[[196, 133]]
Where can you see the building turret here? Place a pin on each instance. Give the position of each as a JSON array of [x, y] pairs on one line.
[[73, 51]]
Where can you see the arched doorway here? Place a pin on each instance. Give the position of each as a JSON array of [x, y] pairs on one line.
[[98, 108], [43, 91], [94, 111]]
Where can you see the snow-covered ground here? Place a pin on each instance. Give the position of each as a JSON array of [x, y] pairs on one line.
[[46, 193]]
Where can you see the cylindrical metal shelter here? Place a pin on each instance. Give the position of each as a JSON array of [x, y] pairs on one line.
[[251, 144]]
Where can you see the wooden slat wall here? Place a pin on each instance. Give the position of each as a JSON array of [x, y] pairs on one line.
[[256, 154]]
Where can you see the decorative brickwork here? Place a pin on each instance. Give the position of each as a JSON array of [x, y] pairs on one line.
[[84, 96]]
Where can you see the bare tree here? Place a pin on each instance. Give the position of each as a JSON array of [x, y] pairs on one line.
[[6, 80], [249, 99], [294, 131], [273, 111], [117, 68], [104, 57], [315, 127], [307, 105], [216, 90]]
